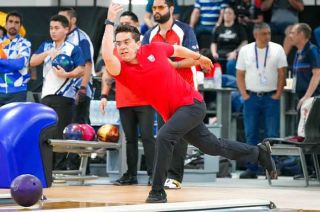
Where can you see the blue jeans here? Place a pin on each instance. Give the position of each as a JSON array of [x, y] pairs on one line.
[[257, 110], [231, 67]]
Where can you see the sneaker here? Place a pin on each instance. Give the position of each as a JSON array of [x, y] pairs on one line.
[[126, 179], [157, 196], [172, 184], [248, 174], [266, 160]]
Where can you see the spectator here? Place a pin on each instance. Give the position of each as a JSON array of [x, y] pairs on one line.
[[135, 115], [58, 85], [261, 71], [148, 14], [307, 63], [16, 50], [78, 37], [248, 15], [173, 31], [206, 15], [285, 13], [227, 40]]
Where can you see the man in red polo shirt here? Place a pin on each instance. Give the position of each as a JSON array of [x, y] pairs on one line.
[[146, 71], [173, 32]]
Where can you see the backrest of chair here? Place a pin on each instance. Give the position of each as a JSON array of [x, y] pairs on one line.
[[312, 126]]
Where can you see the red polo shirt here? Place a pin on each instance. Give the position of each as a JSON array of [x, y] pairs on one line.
[[155, 81]]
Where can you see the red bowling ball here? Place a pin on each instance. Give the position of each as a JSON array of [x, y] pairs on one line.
[[88, 133]]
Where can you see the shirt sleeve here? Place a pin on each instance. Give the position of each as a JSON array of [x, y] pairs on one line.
[[241, 60], [165, 47], [85, 48], [190, 40], [282, 58], [77, 57], [197, 4], [40, 48], [25, 51]]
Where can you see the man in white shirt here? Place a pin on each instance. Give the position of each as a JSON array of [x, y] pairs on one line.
[[261, 72]]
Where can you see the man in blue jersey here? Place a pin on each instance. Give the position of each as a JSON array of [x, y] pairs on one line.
[[306, 64], [58, 90], [14, 74], [78, 37]]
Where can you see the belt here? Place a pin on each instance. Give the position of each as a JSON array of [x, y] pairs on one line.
[[268, 93]]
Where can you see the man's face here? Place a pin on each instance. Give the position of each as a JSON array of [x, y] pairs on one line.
[[295, 35], [161, 11], [13, 25], [70, 19], [57, 31], [126, 20], [126, 46], [263, 35]]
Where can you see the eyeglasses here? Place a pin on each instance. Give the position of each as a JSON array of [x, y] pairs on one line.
[[160, 7]]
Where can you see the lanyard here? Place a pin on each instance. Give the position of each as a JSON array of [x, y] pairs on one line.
[[265, 56], [295, 63]]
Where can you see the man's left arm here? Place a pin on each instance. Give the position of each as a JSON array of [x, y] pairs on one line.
[[281, 82], [204, 62], [314, 82]]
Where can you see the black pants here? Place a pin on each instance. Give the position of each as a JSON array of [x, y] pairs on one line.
[[63, 106], [132, 119], [82, 112], [176, 168], [187, 123]]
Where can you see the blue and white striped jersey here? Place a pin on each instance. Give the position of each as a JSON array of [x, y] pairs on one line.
[[14, 75], [52, 84]]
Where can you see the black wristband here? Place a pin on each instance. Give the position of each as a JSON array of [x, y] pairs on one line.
[[103, 96], [106, 22]]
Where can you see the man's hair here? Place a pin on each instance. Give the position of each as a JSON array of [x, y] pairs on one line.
[[70, 10], [15, 14], [62, 19], [132, 15], [3, 29], [260, 26], [169, 3], [305, 29], [126, 28]]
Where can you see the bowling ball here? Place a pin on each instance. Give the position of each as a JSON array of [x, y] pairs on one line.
[[64, 61], [108, 133], [88, 133], [26, 190], [72, 132]]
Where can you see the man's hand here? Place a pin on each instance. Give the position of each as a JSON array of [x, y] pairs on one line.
[[113, 11], [60, 72], [205, 63], [301, 102], [103, 105], [81, 94]]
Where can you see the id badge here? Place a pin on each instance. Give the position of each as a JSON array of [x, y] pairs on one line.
[[294, 83], [263, 79]]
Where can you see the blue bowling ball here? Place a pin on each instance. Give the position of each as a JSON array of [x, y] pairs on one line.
[[73, 132], [64, 61]]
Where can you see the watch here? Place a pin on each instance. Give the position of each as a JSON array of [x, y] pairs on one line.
[[106, 22]]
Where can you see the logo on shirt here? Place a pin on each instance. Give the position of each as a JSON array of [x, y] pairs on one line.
[[151, 58]]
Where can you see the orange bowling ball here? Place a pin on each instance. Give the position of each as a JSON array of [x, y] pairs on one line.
[[108, 133]]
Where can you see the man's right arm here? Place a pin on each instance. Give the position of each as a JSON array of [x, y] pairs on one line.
[[194, 17], [112, 63]]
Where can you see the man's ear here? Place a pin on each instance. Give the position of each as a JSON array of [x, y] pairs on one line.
[[139, 43], [73, 21]]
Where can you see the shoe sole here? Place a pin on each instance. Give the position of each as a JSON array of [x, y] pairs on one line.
[[124, 184], [158, 201], [273, 174]]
